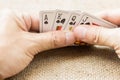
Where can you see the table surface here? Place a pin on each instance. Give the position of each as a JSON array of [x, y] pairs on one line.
[[69, 63]]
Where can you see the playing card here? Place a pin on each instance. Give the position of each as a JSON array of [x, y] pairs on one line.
[[61, 19], [88, 19], [40, 22], [67, 20], [73, 21], [47, 18]]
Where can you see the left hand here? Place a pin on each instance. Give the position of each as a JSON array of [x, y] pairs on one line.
[[19, 41]]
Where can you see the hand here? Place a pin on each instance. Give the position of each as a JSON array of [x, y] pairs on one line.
[[19, 41], [101, 35]]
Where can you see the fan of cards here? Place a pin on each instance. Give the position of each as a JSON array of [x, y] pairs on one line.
[[52, 20]]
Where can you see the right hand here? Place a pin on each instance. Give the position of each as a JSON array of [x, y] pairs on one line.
[[101, 35]]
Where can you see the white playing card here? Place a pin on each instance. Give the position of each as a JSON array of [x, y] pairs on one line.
[[40, 22], [47, 20], [61, 20], [88, 19], [73, 21]]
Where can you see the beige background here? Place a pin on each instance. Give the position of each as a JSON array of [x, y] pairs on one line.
[[70, 63]]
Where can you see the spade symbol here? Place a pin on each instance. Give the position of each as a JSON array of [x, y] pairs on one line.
[[63, 21], [81, 23], [45, 22], [87, 23]]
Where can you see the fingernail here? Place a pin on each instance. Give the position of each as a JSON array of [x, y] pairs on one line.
[[80, 32], [69, 38]]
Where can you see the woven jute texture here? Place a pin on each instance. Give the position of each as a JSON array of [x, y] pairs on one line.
[[70, 63], [73, 63]]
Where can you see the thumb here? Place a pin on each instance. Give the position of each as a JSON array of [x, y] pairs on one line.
[[95, 35], [37, 42]]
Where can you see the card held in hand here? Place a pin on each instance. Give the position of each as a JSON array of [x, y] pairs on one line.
[[52, 20], [47, 18], [88, 19], [73, 21], [61, 19]]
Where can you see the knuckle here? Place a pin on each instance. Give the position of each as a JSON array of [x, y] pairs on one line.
[[55, 39], [95, 35], [58, 39]]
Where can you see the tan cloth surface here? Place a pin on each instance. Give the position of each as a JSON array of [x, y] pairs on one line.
[[71, 63]]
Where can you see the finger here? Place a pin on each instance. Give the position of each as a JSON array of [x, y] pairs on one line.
[[112, 16], [30, 20], [44, 41], [24, 21], [94, 35], [8, 22]]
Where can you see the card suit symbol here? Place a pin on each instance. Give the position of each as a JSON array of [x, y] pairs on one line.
[[71, 23], [87, 23], [58, 27], [45, 22], [81, 23], [63, 21], [58, 21], [74, 23], [70, 28]]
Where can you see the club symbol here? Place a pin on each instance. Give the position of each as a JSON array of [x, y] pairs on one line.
[[63, 21]]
